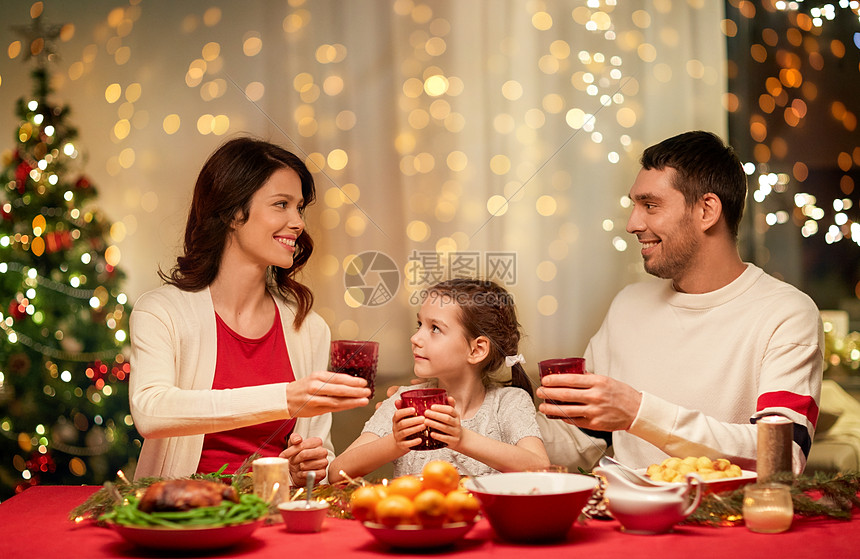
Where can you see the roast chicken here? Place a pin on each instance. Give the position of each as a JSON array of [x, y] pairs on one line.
[[185, 494]]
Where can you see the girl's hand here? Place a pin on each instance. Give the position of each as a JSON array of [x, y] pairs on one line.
[[323, 391], [305, 455], [406, 424], [446, 421]]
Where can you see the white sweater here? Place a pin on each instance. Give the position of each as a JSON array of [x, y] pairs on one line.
[[708, 365], [173, 354]]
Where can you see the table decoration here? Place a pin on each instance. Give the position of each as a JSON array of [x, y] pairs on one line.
[[825, 495], [272, 479], [767, 508], [774, 441]]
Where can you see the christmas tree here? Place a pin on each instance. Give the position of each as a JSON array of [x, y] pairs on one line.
[[64, 416]]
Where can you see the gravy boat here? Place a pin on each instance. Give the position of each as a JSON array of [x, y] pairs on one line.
[[643, 507]]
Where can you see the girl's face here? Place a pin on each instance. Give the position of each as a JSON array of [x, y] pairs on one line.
[[268, 237], [440, 347]]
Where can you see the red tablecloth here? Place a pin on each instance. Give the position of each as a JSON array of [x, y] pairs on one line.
[[34, 524]]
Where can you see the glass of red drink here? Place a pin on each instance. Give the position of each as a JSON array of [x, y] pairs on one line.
[[357, 358], [567, 366], [421, 399]]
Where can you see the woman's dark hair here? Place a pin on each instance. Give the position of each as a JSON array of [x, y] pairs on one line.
[[222, 198], [487, 309], [703, 163]]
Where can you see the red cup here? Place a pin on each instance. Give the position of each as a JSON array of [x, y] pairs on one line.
[[356, 358], [566, 366], [421, 399]]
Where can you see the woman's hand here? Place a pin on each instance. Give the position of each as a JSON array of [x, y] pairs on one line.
[[446, 422], [305, 455], [323, 392], [405, 425]]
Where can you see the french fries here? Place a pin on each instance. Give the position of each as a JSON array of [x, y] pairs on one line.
[[676, 469]]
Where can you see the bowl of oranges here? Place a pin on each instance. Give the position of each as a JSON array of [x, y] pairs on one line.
[[532, 506], [430, 510]]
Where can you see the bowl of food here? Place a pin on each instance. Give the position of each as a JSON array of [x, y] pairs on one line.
[[532, 506], [417, 512]]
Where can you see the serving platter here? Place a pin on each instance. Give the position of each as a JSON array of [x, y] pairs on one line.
[[716, 485], [187, 539], [416, 537]]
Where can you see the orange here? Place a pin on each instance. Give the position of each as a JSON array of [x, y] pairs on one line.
[[430, 508], [395, 510], [408, 486], [363, 501], [462, 506], [441, 476]]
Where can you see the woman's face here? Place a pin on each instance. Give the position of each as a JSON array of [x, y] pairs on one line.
[[268, 237]]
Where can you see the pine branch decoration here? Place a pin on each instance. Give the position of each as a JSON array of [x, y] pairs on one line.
[[827, 495]]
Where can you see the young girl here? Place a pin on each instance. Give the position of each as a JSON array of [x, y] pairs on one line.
[[467, 329], [228, 359]]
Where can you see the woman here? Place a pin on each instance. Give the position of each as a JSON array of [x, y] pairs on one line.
[[222, 356]]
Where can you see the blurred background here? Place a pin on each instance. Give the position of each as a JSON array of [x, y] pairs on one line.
[[494, 139]]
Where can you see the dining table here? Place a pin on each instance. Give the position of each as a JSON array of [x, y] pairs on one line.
[[36, 523]]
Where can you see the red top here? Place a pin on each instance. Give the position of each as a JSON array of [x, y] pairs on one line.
[[245, 362]]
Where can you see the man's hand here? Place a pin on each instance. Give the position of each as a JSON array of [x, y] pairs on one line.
[[305, 455], [591, 401]]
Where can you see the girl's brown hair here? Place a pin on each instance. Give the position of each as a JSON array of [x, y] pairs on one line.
[[222, 197], [487, 309]]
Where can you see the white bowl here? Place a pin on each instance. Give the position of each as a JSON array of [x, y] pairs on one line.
[[298, 517], [532, 506]]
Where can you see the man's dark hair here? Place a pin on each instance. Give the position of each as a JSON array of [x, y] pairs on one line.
[[703, 164]]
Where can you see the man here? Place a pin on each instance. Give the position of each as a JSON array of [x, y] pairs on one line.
[[685, 366]]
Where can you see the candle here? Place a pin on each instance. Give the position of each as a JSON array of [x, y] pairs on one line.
[[767, 508], [272, 479], [773, 453]]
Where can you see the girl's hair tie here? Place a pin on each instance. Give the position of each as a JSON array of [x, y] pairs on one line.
[[512, 360]]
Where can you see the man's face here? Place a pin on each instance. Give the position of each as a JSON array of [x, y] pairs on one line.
[[663, 223]]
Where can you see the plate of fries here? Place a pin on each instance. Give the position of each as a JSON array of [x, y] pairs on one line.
[[720, 475]]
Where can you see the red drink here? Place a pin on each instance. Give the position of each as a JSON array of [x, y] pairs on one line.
[[355, 358], [421, 400], [567, 366]]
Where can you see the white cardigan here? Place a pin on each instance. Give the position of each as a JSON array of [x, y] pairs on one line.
[[173, 354]]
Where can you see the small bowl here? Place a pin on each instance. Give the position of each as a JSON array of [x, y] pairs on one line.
[[532, 506], [299, 518]]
